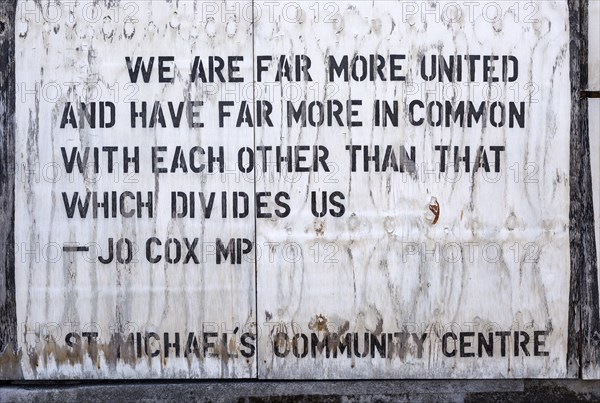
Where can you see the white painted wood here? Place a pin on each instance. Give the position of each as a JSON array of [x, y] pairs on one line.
[[423, 253], [384, 267]]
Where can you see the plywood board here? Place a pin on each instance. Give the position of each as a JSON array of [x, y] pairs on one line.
[[315, 190], [131, 224], [418, 240]]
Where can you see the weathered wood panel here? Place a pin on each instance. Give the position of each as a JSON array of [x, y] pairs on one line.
[[374, 257], [119, 272], [593, 62], [412, 270], [9, 364], [593, 46], [584, 310], [593, 371]]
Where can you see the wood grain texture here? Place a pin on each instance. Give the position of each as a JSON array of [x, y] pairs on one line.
[[386, 268], [8, 318], [593, 83], [584, 305], [131, 306], [357, 275]]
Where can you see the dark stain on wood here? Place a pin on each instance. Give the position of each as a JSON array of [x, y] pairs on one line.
[[9, 358], [583, 351]]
